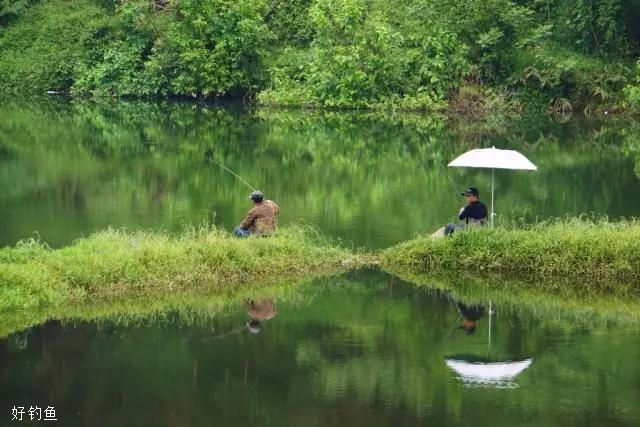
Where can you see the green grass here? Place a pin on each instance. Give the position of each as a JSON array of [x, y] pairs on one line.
[[571, 249], [119, 264], [570, 265]]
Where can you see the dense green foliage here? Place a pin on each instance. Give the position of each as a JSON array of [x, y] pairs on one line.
[[411, 54], [363, 55], [40, 52], [566, 249], [118, 263]]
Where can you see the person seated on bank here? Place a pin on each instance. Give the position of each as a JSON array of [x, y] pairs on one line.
[[473, 212], [261, 219]]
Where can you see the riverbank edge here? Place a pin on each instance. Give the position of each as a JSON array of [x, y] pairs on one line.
[[577, 250], [117, 263], [116, 266]]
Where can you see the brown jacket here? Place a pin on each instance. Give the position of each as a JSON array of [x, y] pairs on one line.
[[262, 218]]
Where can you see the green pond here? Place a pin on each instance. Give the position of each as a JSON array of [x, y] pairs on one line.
[[362, 349], [68, 168], [365, 348]]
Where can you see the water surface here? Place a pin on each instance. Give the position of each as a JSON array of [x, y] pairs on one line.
[[69, 168], [364, 349]]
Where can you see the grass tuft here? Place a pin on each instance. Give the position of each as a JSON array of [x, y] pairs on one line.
[[117, 263], [571, 248]]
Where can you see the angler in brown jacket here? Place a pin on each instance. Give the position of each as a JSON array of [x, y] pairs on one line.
[[261, 218]]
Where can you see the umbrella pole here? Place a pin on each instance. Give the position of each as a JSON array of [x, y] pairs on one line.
[[492, 185], [490, 313]]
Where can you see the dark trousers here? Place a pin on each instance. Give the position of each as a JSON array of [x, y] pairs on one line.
[[241, 232], [450, 228]]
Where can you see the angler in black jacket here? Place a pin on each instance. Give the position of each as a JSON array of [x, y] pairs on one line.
[[474, 212]]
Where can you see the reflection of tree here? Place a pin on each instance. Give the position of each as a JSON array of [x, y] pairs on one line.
[[632, 146], [373, 178], [352, 345]]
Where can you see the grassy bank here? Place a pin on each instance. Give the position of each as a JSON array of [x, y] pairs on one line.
[[572, 249], [117, 264], [142, 271]]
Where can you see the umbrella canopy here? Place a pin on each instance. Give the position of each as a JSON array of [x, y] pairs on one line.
[[493, 158], [499, 374]]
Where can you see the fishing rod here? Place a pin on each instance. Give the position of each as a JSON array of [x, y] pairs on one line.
[[233, 173], [456, 190]]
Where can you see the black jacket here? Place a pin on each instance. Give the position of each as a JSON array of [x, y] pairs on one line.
[[474, 210]]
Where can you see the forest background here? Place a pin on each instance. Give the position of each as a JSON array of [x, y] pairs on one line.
[[474, 57]]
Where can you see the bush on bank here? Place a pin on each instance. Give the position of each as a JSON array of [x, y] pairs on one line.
[[117, 263], [414, 54], [576, 249]]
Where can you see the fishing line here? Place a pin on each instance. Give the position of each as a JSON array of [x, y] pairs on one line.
[[233, 173], [451, 329], [456, 190]]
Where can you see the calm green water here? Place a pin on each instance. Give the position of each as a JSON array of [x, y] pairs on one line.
[[364, 349], [67, 169]]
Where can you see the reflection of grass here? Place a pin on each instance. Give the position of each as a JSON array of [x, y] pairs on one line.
[[568, 249], [120, 264], [188, 307], [556, 301]]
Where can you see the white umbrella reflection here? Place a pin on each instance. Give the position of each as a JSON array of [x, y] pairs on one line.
[[484, 371], [493, 158], [497, 374]]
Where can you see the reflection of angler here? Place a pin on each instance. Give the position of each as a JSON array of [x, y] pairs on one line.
[[477, 370], [470, 314], [259, 311]]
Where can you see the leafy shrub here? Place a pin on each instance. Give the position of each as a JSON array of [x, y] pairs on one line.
[[360, 57], [192, 47], [560, 75], [41, 50], [10, 9], [594, 26], [289, 22], [632, 91]]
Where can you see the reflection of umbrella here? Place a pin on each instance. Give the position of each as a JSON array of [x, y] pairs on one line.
[[493, 158], [475, 370], [488, 373]]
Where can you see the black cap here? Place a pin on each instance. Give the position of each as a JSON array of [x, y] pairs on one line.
[[257, 196], [471, 191]]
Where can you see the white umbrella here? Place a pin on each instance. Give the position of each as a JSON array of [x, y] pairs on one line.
[[492, 373], [493, 158]]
